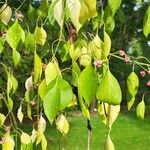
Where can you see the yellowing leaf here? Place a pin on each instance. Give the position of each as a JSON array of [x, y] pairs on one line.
[[37, 68], [62, 124], [2, 119], [59, 12], [20, 114], [140, 110], [107, 45], [109, 144], [40, 35], [88, 10], [109, 90], [9, 143], [52, 71], [29, 84], [5, 14], [85, 58], [14, 35], [113, 112], [25, 138], [88, 83], [74, 7], [146, 23]]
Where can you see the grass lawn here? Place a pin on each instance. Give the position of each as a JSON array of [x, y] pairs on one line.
[[128, 133]]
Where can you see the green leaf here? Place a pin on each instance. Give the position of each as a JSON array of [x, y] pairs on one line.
[[114, 5], [30, 42], [43, 9], [1, 45], [44, 142], [2, 119], [25, 138], [88, 83], [109, 89], [51, 103], [74, 8], [146, 23], [31, 13], [66, 93], [37, 68], [62, 124], [75, 73], [132, 85], [9, 104], [140, 109], [16, 57], [40, 35], [14, 35], [51, 12], [107, 45], [59, 12], [83, 106], [5, 14], [52, 71], [20, 114]]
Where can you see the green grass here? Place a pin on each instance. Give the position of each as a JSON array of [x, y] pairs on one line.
[[128, 133]]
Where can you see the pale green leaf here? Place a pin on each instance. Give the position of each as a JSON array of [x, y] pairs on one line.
[[9, 104], [41, 124], [52, 71], [34, 135], [140, 109], [66, 93], [109, 90], [37, 68], [51, 103], [44, 142], [42, 89], [107, 45], [62, 124], [29, 84], [59, 12], [20, 114], [5, 14], [74, 7], [40, 35], [25, 138], [16, 57], [14, 35], [109, 144], [113, 112], [88, 83], [2, 119], [146, 23]]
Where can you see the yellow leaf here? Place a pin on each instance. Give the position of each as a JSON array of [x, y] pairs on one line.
[[2, 119], [9, 143], [20, 114], [109, 144], [25, 138]]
